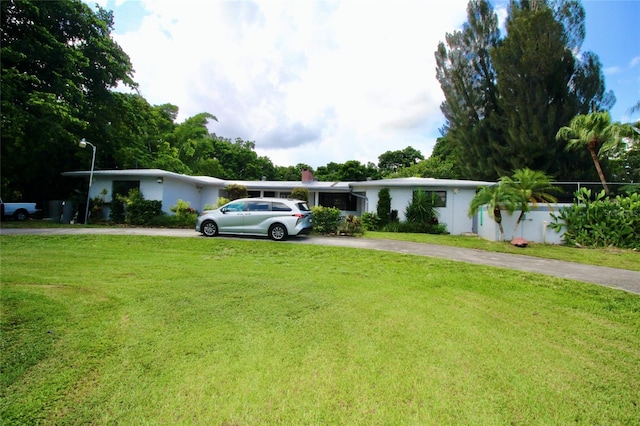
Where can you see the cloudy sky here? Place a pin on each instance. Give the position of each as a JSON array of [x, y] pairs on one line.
[[315, 82]]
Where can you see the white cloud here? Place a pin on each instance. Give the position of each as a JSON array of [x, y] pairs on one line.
[[308, 81]]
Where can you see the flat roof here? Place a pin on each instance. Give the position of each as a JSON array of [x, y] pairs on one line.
[[411, 182], [421, 182]]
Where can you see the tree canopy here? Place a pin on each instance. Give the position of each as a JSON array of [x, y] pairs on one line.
[[506, 97], [59, 64]]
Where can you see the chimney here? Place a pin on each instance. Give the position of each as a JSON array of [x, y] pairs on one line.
[[307, 176]]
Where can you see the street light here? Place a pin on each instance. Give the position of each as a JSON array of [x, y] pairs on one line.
[[83, 144]]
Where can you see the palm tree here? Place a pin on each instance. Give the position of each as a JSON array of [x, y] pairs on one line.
[[533, 187], [598, 134], [497, 197]]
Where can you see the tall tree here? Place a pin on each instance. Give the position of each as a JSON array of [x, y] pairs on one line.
[[59, 64], [596, 133], [534, 69], [506, 97], [468, 80]]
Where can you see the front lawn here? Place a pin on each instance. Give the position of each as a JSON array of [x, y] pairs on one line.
[[155, 330]]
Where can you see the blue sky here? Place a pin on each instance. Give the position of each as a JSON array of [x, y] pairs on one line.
[[317, 82]]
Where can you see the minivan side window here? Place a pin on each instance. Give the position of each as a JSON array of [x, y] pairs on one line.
[[235, 207], [280, 207], [258, 206]]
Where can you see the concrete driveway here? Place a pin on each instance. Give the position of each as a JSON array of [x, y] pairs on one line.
[[610, 277]]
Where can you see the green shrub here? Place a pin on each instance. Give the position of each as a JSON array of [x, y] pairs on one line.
[[421, 211], [184, 214], [383, 208], [351, 225], [371, 221], [300, 194], [325, 219], [116, 210], [139, 211], [599, 221]]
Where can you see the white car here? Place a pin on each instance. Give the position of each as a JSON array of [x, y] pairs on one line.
[[277, 218]]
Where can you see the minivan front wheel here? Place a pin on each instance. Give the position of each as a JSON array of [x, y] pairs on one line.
[[209, 229], [278, 232]]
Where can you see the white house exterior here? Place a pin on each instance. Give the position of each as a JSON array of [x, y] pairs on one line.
[[350, 197], [456, 196]]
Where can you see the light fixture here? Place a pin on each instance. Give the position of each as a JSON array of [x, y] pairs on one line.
[[160, 180], [83, 144]]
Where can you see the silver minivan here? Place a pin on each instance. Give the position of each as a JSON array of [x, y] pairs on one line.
[[276, 218]]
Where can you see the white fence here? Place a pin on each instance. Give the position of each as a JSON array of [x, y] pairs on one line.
[[534, 227]]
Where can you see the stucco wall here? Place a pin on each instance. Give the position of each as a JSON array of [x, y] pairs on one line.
[[534, 227], [454, 215]]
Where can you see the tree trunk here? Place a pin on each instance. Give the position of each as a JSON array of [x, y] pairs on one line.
[[594, 157], [515, 228], [497, 215]]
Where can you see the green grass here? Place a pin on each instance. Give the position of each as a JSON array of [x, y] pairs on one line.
[[154, 330], [611, 257]]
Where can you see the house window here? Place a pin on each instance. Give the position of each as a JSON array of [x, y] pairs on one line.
[[253, 194], [269, 193], [439, 196], [345, 202]]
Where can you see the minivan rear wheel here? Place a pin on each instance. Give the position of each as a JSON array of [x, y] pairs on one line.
[[278, 232], [209, 229]]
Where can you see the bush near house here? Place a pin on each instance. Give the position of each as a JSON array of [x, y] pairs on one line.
[[371, 221], [597, 221], [300, 194], [350, 225], [421, 216], [184, 214], [325, 219], [137, 210]]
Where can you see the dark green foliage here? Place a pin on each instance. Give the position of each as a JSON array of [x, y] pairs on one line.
[[421, 213], [235, 191], [59, 65], [351, 171], [300, 194], [116, 210], [534, 69], [506, 97], [325, 219], [383, 208], [594, 220], [371, 221], [392, 161], [139, 211], [416, 228]]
